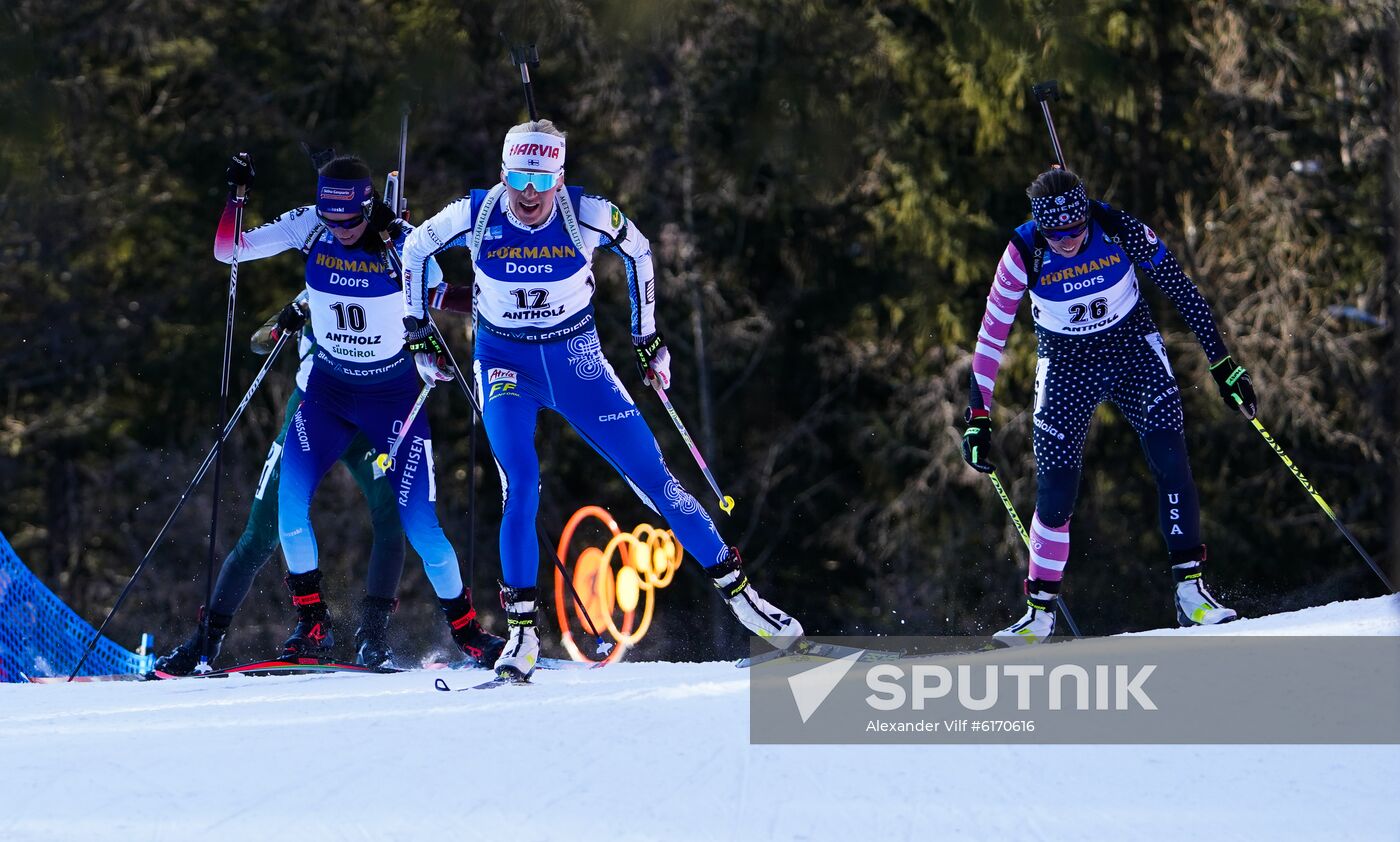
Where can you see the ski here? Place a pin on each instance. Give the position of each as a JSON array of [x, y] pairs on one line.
[[293, 666], [812, 649]]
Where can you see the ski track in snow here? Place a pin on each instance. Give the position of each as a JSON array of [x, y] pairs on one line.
[[640, 751]]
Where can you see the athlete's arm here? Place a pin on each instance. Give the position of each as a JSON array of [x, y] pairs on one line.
[[288, 231], [619, 236], [1008, 287], [449, 228], [1151, 255]]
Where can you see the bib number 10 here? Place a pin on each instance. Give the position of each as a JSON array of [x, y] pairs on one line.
[[1096, 309], [349, 316]]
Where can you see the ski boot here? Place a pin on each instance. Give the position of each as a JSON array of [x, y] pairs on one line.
[[1194, 604], [372, 637], [312, 637], [1038, 623], [522, 648], [183, 659], [757, 614], [481, 646]]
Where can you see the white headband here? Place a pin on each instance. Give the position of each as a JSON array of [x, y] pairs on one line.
[[533, 151]]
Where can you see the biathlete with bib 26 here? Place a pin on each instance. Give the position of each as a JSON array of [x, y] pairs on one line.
[[1080, 260]]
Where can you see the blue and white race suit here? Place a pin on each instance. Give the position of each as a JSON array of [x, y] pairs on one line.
[[537, 346], [360, 379]]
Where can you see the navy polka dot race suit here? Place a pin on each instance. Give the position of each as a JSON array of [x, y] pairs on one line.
[[1096, 342]]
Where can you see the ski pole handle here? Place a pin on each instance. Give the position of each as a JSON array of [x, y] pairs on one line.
[[726, 503], [1044, 93]]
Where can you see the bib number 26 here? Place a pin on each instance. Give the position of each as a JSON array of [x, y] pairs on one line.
[[1096, 309]]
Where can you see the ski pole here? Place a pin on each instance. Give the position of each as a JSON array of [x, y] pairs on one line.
[[242, 194], [524, 57], [384, 462], [1026, 538], [604, 647], [1317, 498], [198, 475], [726, 503], [1044, 93]]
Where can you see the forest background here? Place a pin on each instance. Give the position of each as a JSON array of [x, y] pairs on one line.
[[827, 187]]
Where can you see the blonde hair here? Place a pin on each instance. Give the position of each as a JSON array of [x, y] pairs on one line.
[[542, 126]]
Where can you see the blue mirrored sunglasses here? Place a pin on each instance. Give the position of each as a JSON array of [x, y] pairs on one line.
[[541, 181], [1066, 233], [340, 223]]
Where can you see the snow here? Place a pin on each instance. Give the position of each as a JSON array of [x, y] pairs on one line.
[[633, 751]]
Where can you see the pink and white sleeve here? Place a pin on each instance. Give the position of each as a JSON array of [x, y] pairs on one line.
[[1007, 289]]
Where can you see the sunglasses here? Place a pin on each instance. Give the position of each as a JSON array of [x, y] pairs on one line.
[[541, 181], [1066, 233], [345, 224]]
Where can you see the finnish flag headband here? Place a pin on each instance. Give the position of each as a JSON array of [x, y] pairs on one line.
[[535, 151], [1061, 209]]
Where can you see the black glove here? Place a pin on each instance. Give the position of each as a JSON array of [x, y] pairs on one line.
[[292, 318], [1236, 389], [421, 339], [977, 440], [240, 171], [380, 217], [420, 336], [653, 359]]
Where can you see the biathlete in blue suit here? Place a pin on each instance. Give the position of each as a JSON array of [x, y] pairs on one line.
[[532, 242], [361, 380]]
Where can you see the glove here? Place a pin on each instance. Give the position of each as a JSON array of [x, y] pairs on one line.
[[1236, 389], [977, 440], [653, 359], [292, 318], [240, 172], [380, 216], [421, 339]]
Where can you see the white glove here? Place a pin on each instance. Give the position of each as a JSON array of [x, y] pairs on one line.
[[432, 368]]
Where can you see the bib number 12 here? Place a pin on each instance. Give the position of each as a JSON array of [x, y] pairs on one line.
[[539, 298]]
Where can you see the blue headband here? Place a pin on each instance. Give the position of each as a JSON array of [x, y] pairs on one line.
[[1062, 209], [342, 195]]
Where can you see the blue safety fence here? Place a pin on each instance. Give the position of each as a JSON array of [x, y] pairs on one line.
[[41, 636]]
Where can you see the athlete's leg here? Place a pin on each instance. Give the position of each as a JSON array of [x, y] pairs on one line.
[[316, 439], [1149, 397], [387, 550], [1066, 393], [592, 398], [510, 414], [412, 482], [259, 538]]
